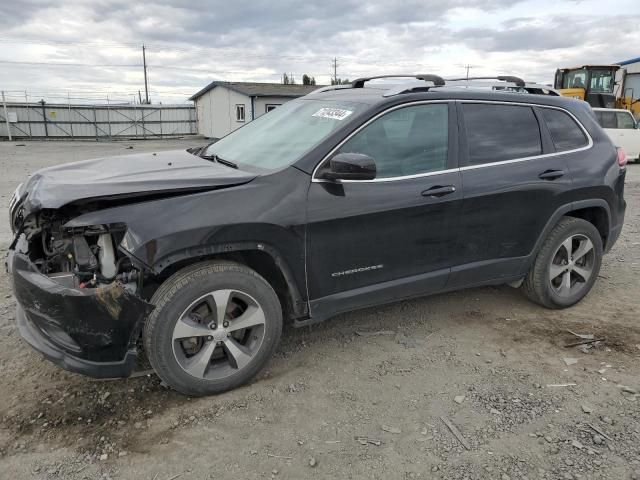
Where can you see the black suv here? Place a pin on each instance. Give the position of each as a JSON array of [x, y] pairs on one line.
[[347, 198]]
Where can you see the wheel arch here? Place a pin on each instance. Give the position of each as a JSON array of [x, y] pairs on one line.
[[260, 257], [596, 211], [598, 216]]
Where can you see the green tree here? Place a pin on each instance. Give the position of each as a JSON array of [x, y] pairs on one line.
[[308, 80]]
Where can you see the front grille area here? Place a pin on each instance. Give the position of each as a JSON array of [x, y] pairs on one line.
[[16, 216], [15, 210]]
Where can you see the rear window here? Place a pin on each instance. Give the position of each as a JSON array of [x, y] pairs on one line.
[[565, 132], [613, 119], [625, 120], [500, 132], [606, 119]]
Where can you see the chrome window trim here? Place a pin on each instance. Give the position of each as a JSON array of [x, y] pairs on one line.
[[459, 169]]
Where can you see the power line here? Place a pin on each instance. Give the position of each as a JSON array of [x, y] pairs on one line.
[[68, 43], [232, 53], [138, 65], [72, 64], [220, 53]]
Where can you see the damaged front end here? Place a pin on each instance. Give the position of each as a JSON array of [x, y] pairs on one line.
[[79, 296]]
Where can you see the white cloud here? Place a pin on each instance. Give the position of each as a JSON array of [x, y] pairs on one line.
[[192, 42]]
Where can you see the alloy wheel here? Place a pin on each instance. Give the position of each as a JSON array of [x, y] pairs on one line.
[[218, 334], [572, 265]]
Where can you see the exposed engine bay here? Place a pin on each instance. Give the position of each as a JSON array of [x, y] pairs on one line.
[[86, 243], [80, 257]]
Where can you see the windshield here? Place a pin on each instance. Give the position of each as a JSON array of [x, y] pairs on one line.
[[599, 80], [602, 81], [575, 79], [280, 137]]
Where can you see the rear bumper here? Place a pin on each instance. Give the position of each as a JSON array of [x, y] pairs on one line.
[[88, 331]]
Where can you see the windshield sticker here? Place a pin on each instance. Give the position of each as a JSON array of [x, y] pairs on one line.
[[333, 113]]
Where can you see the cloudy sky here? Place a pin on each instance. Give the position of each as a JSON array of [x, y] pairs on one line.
[[92, 49]]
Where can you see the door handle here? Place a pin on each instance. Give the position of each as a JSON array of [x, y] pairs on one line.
[[439, 191], [551, 174]]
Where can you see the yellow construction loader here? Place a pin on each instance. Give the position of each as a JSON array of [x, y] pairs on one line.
[[601, 86]]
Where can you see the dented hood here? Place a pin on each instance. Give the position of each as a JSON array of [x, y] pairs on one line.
[[127, 176]]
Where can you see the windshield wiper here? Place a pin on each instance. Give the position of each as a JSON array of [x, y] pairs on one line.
[[216, 158], [228, 163]]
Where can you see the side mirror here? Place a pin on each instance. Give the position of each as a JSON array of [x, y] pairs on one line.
[[350, 166]]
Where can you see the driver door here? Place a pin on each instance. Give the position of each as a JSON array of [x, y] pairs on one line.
[[373, 241]]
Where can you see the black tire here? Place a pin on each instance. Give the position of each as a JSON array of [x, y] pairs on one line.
[[178, 293], [537, 285]]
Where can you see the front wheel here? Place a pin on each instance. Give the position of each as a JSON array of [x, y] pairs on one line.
[[566, 266], [215, 326]]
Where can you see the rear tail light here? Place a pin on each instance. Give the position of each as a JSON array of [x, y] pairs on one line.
[[622, 157]]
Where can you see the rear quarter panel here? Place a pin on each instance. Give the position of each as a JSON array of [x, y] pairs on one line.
[[595, 172]]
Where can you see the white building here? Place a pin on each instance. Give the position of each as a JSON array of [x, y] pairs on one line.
[[632, 81], [221, 107]]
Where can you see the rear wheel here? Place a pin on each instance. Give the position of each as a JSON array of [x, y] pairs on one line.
[[567, 265], [214, 327]]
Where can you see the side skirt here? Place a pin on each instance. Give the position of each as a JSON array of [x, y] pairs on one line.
[[394, 291]]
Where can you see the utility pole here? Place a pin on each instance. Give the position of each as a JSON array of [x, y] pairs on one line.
[[467, 66], [6, 117], [335, 71], [146, 84], [69, 113]]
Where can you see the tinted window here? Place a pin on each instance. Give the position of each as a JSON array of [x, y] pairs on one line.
[[500, 132], [625, 120], [606, 119], [565, 132], [407, 141]]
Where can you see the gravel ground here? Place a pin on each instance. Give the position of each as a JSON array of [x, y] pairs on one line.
[[369, 394]]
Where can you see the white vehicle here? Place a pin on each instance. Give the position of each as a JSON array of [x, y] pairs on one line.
[[622, 128]]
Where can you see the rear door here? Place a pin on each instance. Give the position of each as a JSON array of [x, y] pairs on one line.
[[622, 129], [513, 183], [373, 241], [628, 135], [609, 122]]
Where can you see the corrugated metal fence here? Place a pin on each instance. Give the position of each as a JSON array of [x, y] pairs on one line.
[[100, 122]]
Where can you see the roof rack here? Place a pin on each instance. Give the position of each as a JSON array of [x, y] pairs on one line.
[[329, 88], [437, 81], [412, 87], [502, 78], [497, 83]]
